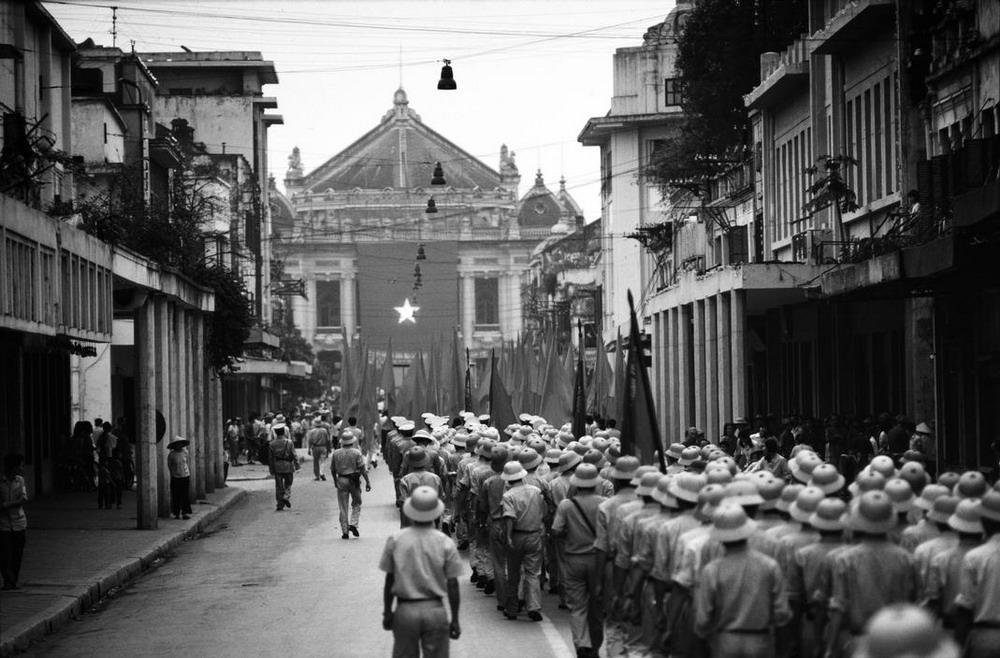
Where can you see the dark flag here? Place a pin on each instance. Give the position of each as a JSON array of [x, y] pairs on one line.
[[579, 393], [640, 432], [501, 410], [388, 380], [468, 386]]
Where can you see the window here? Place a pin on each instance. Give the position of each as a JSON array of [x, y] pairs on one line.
[[328, 303], [672, 92], [606, 173], [487, 302]]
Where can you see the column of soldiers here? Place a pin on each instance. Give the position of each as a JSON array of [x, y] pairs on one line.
[[707, 559]]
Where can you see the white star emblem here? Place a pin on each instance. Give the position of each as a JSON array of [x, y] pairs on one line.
[[406, 312]]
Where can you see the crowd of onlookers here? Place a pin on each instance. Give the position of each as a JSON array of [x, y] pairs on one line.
[[105, 460]]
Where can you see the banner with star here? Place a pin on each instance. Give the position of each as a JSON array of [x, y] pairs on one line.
[[390, 308]]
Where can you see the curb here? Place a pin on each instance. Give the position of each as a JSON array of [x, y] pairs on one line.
[[116, 575]]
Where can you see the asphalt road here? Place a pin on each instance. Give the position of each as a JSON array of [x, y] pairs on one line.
[[266, 583]]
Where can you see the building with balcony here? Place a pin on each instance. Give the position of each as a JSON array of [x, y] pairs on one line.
[[645, 110], [375, 236]]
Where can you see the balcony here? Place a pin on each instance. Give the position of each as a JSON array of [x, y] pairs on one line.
[[851, 24], [780, 74]]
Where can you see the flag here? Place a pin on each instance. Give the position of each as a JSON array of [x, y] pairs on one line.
[[468, 386], [501, 409], [619, 407], [640, 433], [388, 380], [579, 394], [601, 391], [557, 392]]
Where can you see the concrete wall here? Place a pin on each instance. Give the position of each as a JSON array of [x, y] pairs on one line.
[[215, 119], [92, 120]]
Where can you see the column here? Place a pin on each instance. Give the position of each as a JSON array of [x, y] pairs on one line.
[[712, 427], [178, 387], [190, 430], [684, 359], [725, 369], [468, 307], [514, 311], [163, 396], [738, 346], [657, 380], [348, 306], [145, 462], [206, 444], [504, 302], [670, 422], [214, 385], [700, 391]]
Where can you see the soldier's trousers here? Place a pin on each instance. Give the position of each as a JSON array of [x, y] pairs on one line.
[[349, 502], [742, 645], [524, 552], [580, 580], [420, 628], [614, 630], [481, 559], [283, 487], [498, 559]]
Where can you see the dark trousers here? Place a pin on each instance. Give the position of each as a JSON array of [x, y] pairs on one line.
[[11, 554], [180, 503]]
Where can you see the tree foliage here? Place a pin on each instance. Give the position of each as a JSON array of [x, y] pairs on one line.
[[718, 63], [170, 231]]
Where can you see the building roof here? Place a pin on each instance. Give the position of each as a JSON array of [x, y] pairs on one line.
[[541, 207], [214, 59], [400, 153]]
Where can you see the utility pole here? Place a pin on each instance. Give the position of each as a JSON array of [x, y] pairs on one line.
[[114, 27]]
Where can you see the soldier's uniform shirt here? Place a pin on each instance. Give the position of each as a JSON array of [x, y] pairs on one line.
[[627, 532], [525, 505], [869, 576], [979, 582], [805, 570], [421, 560], [534, 479], [491, 498], [915, 535], [690, 555], [712, 549], [792, 542], [943, 577], [667, 545], [823, 587], [559, 488], [742, 591], [415, 479], [318, 437], [925, 552], [643, 542], [282, 455], [578, 539], [346, 461], [607, 518], [615, 528]]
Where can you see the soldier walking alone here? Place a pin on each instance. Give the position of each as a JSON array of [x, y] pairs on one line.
[[348, 467], [421, 567], [282, 463]]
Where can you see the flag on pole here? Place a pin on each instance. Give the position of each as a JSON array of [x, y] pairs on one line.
[[468, 386], [388, 380], [579, 393], [640, 433], [601, 391], [557, 392], [501, 409]]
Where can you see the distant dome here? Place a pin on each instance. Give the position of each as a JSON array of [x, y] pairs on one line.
[[539, 207]]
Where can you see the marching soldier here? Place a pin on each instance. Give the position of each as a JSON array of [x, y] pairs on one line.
[[523, 511]]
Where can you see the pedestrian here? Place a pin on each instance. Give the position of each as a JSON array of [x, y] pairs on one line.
[[180, 477], [575, 525], [318, 443], [741, 597], [347, 465], [13, 522], [282, 463], [422, 567]]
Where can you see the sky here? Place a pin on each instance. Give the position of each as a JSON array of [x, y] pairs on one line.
[[529, 72]]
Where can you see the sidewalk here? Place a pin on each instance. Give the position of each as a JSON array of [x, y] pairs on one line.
[[76, 553]]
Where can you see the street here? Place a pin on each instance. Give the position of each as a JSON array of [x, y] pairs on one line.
[[260, 582]]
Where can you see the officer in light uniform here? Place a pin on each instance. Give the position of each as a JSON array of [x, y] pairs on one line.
[[348, 467], [421, 568]]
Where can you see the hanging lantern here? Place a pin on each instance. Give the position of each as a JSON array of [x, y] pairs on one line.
[[438, 177], [447, 80], [416, 271], [421, 255], [431, 206]]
